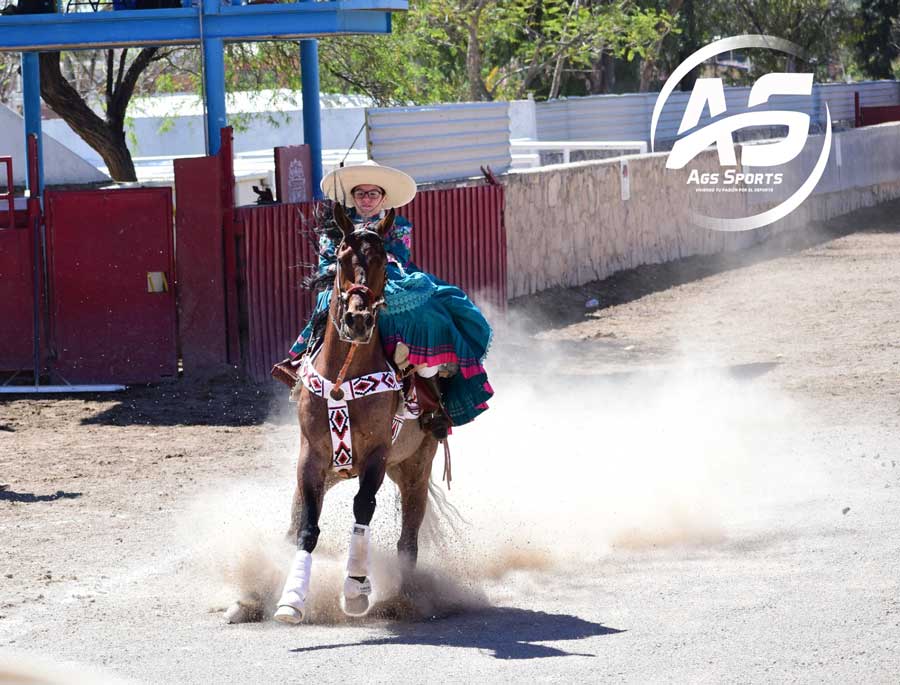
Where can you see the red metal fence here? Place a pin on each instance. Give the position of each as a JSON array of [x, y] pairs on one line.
[[272, 261], [869, 116], [459, 236]]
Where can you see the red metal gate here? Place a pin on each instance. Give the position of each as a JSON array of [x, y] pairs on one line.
[[111, 276], [16, 298], [19, 266], [459, 236]]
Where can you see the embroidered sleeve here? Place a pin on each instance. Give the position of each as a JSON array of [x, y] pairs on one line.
[[398, 242], [326, 252]]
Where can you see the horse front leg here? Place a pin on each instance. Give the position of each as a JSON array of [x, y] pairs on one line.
[[357, 588], [311, 489]]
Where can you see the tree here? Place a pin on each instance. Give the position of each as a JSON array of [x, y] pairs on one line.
[[105, 133], [878, 47], [493, 49], [9, 71]]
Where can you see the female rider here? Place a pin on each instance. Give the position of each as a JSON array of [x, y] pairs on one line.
[[427, 322]]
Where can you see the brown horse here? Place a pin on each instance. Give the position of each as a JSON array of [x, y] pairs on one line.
[[348, 411]]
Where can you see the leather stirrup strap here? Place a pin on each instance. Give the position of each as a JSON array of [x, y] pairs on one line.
[[448, 471]]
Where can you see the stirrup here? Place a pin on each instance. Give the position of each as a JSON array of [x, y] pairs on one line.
[[285, 372], [435, 422]]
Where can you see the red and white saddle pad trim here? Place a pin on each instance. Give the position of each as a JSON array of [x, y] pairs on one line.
[[339, 413]]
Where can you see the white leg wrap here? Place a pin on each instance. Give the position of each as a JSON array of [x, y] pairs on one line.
[[354, 588], [358, 560], [296, 586]]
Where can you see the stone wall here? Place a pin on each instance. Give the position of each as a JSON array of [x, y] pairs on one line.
[[568, 225]]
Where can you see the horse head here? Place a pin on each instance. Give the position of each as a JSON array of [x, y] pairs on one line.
[[360, 276]]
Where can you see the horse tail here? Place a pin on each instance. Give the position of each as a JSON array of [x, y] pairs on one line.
[[443, 522]]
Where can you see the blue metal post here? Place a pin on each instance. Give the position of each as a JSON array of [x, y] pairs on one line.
[[213, 52], [31, 104], [312, 124], [214, 89]]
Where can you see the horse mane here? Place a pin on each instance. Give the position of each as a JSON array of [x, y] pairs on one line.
[[323, 225]]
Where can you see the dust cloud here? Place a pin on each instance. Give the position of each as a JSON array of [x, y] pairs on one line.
[[567, 471], [23, 668]]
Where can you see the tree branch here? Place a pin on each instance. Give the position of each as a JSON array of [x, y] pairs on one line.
[[122, 57], [116, 110]]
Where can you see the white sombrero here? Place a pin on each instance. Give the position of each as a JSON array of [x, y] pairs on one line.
[[399, 187]]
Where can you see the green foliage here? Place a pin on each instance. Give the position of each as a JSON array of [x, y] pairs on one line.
[[451, 50], [825, 29], [878, 44]]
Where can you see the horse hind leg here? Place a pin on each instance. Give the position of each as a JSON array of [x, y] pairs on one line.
[[311, 486], [412, 478], [357, 587]]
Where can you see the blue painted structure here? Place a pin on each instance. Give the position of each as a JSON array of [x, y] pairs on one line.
[[312, 124], [31, 104], [212, 25], [235, 23], [214, 92]]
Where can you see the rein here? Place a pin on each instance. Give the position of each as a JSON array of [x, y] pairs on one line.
[[336, 392]]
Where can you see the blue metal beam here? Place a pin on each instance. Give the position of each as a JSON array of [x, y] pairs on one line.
[[87, 30], [31, 105], [312, 127]]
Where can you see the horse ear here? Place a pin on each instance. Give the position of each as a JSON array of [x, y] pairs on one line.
[[341, 219], [385, 224]]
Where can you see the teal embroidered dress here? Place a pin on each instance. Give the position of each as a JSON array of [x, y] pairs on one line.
[[436, 320]]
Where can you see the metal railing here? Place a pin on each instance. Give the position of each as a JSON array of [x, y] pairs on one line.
[[9, 196], [566, 147]]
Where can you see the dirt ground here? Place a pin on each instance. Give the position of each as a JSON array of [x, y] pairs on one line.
[[695, 481]]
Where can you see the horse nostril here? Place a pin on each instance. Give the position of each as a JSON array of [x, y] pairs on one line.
[[369, 320], [348, 319]]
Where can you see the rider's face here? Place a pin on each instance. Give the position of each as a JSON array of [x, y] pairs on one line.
[[369, 199]]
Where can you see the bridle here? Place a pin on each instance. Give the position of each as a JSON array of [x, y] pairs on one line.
[[374, 306]]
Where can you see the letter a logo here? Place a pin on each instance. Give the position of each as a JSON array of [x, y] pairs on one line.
[[709, 91]]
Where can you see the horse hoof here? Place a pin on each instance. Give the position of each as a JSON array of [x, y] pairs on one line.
[[358, 606], [239, 612], [288, 614]]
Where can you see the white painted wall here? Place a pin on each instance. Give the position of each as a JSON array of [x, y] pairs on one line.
[[61, 164], [183, 134]]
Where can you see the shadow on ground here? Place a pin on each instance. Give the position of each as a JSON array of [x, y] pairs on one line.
[[30, 497], [221, 401], [507, 632]]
